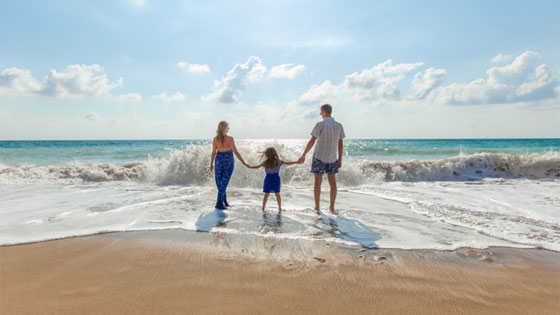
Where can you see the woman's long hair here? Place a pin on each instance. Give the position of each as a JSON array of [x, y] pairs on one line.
[[221, 131], [270, 158]]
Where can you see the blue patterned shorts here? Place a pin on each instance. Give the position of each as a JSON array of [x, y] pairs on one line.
[[319, 167]]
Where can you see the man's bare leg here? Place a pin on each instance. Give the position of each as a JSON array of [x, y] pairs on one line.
[[317, 190], [332, 183]]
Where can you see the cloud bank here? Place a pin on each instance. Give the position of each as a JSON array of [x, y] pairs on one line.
[[522, 80], [229, 88], [74, 81]]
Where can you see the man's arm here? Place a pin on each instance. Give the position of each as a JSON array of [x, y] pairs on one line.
[[340, 153], [310, 145]]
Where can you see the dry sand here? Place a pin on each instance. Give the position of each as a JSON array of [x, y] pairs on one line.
[[139, 273]]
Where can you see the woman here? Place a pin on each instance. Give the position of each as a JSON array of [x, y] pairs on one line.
[[223, 148]]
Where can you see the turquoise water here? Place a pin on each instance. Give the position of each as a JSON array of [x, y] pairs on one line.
[[42, 153]]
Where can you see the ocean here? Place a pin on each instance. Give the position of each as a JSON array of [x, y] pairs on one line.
[[439, 194]]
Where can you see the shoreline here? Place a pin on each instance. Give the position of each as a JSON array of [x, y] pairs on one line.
[[177, 271], [178, 230]]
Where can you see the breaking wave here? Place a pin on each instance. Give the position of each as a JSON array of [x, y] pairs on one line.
[[190, 167]]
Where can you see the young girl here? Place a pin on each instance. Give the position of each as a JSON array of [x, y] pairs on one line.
[[271, 163]]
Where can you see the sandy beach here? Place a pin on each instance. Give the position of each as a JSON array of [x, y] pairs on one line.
[[178, 272]]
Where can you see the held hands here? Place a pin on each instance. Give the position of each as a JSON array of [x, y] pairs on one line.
[[301, 159]]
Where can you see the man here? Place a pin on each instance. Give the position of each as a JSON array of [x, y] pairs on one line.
[[327, 157]]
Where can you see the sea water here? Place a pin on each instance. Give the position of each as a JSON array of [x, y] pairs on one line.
[[440, 194]]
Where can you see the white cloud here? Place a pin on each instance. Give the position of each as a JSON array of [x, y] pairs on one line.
[[194, 68], [521, 81], [15, 80], [515, 72], [380, 81], [130, 97], [286, 71], [73, 82], [424, 83], [319, 94], [177, 97], [542, 86], [78, 81], [229, 88], [92, 116], [501, 58]]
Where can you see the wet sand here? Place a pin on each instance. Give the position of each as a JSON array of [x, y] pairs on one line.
[[162, 273]]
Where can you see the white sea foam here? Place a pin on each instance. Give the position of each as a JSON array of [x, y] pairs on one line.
[[476, 200], [190, 167], [440, 215]]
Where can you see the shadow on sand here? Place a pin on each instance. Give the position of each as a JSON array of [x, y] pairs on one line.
[[348, 229], [207, 221]]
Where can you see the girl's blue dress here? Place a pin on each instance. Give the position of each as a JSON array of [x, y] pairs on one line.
[[272, 180]]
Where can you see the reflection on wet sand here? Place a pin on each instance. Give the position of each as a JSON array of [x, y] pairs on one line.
[[347, 229], [207, 221], [271, 223]]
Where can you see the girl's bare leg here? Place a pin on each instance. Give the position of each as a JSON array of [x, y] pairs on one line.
[[265, 198], [279, 201]]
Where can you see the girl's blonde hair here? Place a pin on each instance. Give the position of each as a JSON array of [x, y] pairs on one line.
[[221, 131], [270, 158]]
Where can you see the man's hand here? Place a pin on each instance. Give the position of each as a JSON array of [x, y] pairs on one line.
[[211, 168], [301, 160], [339, 162]]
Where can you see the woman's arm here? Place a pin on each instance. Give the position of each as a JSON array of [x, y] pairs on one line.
[[255, 166], [237, 153], [213, 156]]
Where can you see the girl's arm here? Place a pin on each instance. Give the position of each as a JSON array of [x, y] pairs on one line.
[[290, 163], [213, 156], [256, 166], [237, 153]]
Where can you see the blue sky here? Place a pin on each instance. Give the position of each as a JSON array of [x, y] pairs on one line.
[[133, 69]]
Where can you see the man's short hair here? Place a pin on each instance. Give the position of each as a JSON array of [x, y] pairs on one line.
[[327, 108]]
